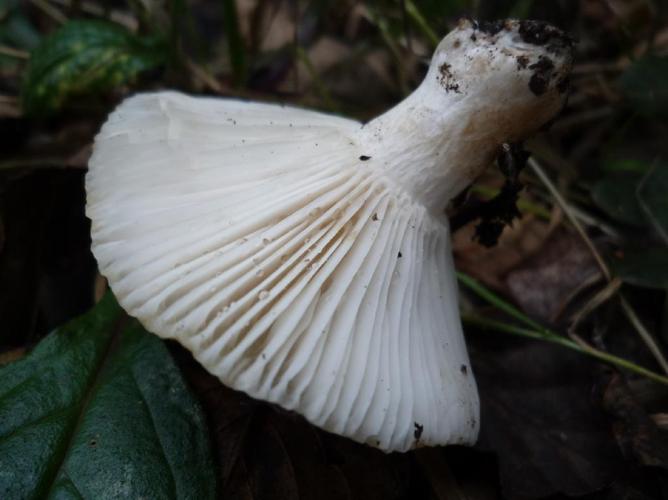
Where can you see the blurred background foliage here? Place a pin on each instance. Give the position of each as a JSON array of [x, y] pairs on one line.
[[588, 259]]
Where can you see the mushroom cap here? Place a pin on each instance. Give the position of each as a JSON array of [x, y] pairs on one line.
[[255, 236]]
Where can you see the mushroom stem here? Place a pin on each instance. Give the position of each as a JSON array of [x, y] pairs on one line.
[[483, 88]]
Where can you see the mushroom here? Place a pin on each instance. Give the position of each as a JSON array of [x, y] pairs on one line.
[[304, 258]]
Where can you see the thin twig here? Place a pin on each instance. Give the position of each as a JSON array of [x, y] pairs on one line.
[[540, 173], [573, 294], [118, 16], [660, 419], [205, 77], [596, 301], [643, 332], [631, 315], [15, 53], [576, 344], [50, 11], [9, 99], [9, 110], [589, 219]]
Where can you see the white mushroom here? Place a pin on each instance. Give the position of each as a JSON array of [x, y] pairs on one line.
[[304, 258]]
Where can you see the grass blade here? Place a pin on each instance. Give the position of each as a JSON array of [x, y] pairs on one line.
[[538, 332], [235, 44]]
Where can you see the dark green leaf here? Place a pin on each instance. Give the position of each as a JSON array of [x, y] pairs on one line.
[[616, 195], [99, 410], [16, 30], [645, 85], [634, 146], [85, 57], [646, 267], [653, 198], [635, 199]]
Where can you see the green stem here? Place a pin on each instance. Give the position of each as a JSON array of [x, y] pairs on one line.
[[498, 302], [421, 22], [538, 332], [320, 87], [564, 342], [383, 26], [630, 313]]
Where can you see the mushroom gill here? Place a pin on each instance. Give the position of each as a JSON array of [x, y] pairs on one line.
[[304, 258]]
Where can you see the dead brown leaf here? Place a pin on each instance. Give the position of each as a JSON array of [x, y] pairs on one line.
[[543, 284], [541, 417], [264, 452], [636, 433], [490, 265]]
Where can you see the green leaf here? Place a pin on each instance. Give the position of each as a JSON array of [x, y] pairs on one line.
[[616, 195], [653, 198], [16, 30], [645, 85], [99, 410], [421, 22], [84, 58], [646, 267]]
